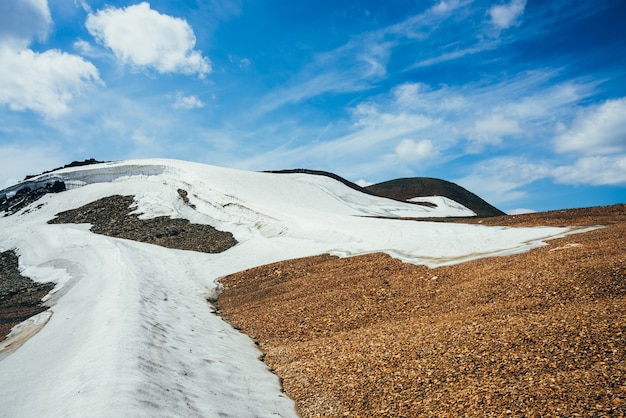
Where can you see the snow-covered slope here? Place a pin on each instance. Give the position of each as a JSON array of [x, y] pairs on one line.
[[130, 332], [443, 202]]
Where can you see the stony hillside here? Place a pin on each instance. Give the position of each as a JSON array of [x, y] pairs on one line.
[[407, 188], [541, 333]]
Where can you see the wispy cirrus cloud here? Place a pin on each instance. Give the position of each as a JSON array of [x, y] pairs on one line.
[[419, 127], [500, 180], [595, 142], [362, 61], [597, 170], [492, 129], [596, 130], [186, 102]]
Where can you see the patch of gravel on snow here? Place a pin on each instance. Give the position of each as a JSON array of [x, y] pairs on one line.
[[20, 297], [112, 216], [542, 333]]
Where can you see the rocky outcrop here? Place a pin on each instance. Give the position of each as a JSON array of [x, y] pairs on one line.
[[408, 188], [12, 203]]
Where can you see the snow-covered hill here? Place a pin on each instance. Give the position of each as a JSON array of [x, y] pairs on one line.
[[130, 332]]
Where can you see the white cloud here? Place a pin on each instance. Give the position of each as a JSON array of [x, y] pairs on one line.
[[595, 170], [492, 129], [86, 49], [363, 183], [444, 6], [597, 130], [409, 150], [43, 82], [498, 180], [83, 5], [520, 211], [534, 100], [244, 64], [420, 26], [495, 190], [187, 102], [23, 20], [144, 38], [520, 113], [371, 116], [83, 47], [385, 131], [506, 15]]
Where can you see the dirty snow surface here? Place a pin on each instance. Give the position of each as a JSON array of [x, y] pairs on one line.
[[130, 332]]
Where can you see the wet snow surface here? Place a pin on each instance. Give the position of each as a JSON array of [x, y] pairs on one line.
[[130, 332]]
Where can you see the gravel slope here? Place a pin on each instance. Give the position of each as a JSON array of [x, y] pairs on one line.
[[541, 333]]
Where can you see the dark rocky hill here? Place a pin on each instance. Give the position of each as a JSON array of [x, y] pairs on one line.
[[407, 188]]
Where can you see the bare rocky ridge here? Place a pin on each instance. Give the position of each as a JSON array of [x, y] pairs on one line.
[[541, 333]]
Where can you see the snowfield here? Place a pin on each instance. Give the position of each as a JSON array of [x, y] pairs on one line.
[[130, 332]]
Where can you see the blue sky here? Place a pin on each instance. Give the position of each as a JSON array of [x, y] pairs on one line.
[[522, 102]]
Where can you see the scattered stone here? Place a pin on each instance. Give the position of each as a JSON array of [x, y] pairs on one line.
[[185, 196]]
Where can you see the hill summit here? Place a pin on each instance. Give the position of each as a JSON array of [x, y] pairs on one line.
[[409, 188]]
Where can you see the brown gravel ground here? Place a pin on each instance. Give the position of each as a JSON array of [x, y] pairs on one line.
[[541, 333]]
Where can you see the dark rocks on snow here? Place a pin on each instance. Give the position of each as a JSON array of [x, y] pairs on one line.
[[112, 216], [20, 297], [25, 196]]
